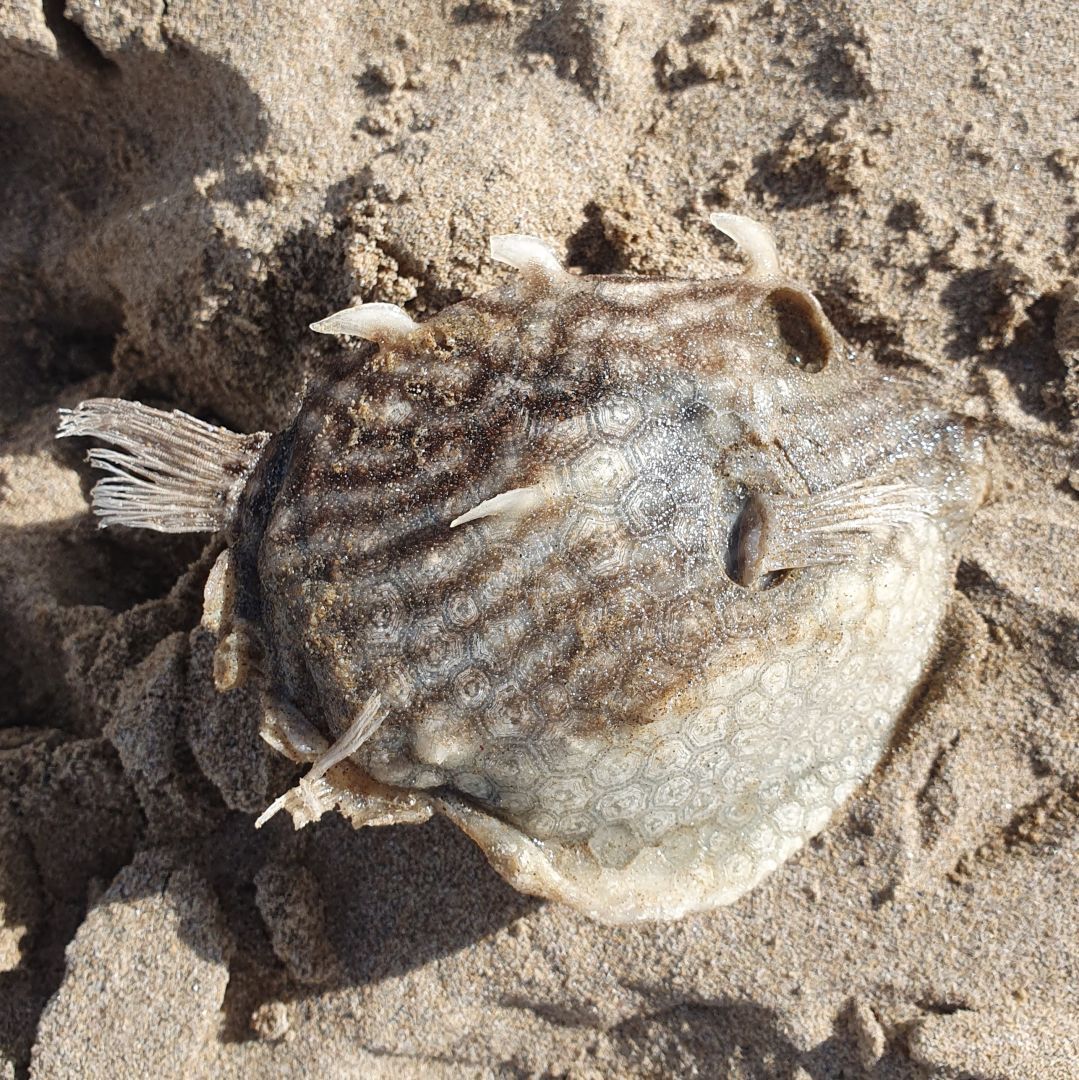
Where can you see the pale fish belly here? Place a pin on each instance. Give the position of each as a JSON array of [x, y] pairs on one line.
[[692, 810]]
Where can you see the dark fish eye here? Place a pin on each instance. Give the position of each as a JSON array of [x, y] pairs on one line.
[[806, 333]]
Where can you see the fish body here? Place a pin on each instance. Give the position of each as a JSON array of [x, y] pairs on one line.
[[629, 577]]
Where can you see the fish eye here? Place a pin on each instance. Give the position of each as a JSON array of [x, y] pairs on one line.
[[805, 331]]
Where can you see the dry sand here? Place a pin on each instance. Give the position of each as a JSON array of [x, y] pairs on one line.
[[185, 186]]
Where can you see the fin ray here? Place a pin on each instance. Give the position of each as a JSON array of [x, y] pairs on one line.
[[164, 470]]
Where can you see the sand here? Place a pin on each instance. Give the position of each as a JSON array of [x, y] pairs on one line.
[[185, 186]]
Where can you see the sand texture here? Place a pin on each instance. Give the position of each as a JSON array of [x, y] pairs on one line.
[[185, 186]]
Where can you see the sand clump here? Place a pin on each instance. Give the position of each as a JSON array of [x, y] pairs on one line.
[[186, 187], [144, 981]]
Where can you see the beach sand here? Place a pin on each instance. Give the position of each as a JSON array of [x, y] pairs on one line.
[[187, 185]]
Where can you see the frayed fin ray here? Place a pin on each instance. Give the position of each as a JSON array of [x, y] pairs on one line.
[[165, 470], [314, 795]]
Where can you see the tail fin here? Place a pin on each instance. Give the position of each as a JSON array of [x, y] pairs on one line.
[[171, 472]]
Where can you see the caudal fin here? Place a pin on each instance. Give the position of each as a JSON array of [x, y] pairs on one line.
[[170, 472]]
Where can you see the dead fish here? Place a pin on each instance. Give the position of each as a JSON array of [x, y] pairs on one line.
[[629, 577]]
